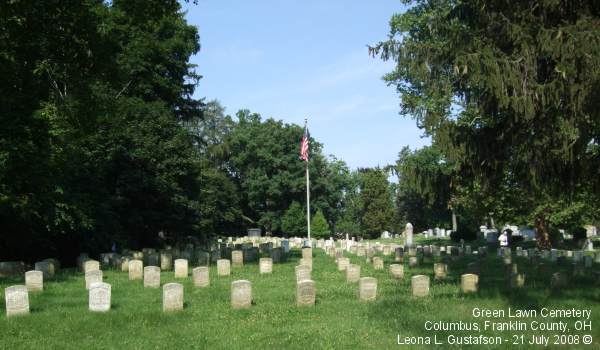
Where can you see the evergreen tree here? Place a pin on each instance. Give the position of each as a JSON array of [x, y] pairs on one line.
[[293, 222], [319, 226], [508, 91], [377, 205]]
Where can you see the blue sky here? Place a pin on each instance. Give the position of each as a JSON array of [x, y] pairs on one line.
[[295, 59]]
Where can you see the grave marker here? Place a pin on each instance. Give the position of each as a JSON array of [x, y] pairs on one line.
[[241, 294], [34, 280], [352, 273], [136, 269], [237, 258], [99, 297], [367, 289], [172, 297], [420, 285], [93, 276], [397, 271], [201, 276], [302, 273], [152, 277], [17, 300], [91, 265], [469, 283], [265, 265], [181, 268], [223, 267], [305, 293]]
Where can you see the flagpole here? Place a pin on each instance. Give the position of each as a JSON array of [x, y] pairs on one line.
[[307, 193]]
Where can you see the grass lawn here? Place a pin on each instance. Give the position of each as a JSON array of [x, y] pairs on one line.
[[60, 318]]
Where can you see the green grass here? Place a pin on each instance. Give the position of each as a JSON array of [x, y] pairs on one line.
[[60, 318]]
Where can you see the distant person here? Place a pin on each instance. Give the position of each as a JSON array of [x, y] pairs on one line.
[[503, 239]]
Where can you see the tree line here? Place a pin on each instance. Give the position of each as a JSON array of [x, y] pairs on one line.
[[102, 143]]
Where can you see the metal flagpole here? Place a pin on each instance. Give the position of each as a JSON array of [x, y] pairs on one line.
[[307, 192]]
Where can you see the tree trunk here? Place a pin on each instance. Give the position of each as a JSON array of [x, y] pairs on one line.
[[541, 233]]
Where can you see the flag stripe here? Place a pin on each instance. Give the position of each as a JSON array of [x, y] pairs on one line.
[[304, 146]]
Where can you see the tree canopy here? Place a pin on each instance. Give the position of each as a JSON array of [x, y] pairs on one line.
[[508, 92]]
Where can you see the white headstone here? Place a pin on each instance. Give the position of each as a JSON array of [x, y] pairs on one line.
[[241, 294], [99, 297], [152, 277], [181, 268], [172, 297], [409, 235], [92, 276], [34, 280], [17, 300]]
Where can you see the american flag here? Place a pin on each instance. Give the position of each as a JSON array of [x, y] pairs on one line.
[[304, 145]]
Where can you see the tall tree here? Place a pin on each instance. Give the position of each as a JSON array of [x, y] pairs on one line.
[[376, 199], [293, 222], [319, 226], [506, 88], [93, 150], [424, 195]]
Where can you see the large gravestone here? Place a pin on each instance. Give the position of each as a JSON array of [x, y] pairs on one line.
[[17, 300], [237, 258], [305, 293], [201, 276], [34, 280], [367, 289], [136, 269], [265, 265], [241, 294], [440, 271], [91, 265], [352, 273], [152, 277], [181, 268], [420, 285], [223, 267], [166, 261], [93, 276], [342, 264], [302, 273], [99, 297], [172, 297], [408, 240], [397, 271], [469, 283]]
